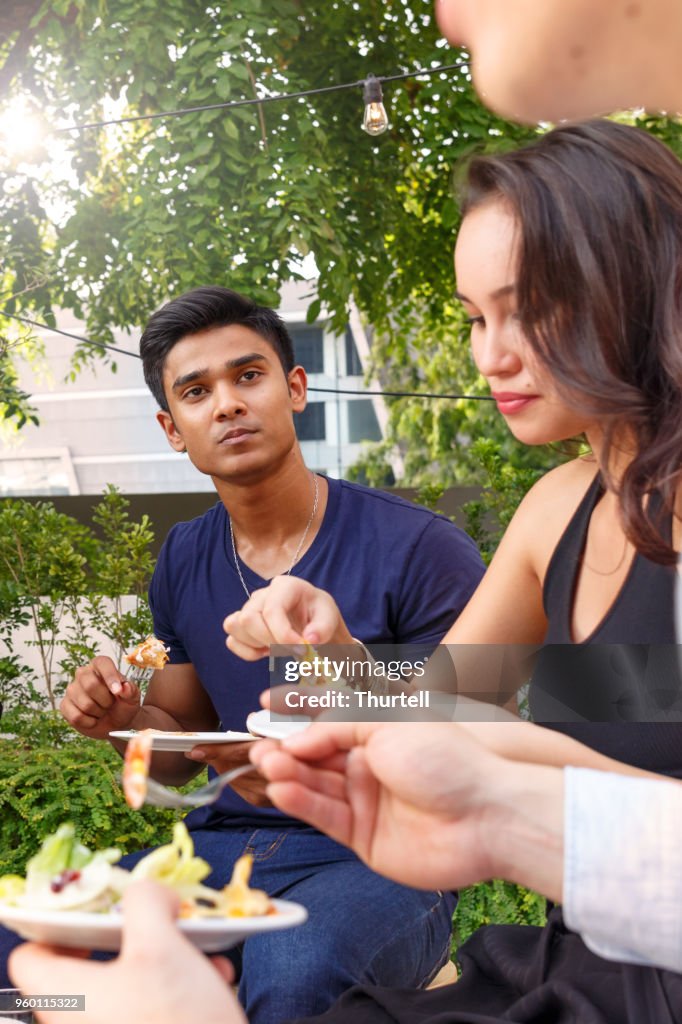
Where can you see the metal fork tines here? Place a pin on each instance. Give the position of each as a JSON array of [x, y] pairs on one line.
[[139, 674], [162, 796]]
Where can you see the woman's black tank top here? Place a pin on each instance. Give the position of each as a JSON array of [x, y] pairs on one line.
[[620, 690]]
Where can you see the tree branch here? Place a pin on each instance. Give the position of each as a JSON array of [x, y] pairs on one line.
[[15, 21], [261, 116]]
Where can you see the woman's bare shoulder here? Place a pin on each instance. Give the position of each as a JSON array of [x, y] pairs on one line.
[[546, 510], [566, 482]]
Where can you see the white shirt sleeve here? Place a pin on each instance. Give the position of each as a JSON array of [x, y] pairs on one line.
[[623, 866]]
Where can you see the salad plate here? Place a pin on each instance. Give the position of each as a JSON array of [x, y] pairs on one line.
[[182, 741], [272, 726], [77, 929], [71, 895]]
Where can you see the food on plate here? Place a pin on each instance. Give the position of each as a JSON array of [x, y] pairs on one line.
[[149, 653], [136, 763], [237, 899], [65, 875]]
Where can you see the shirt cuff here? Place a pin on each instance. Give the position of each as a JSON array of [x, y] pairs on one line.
[[623, 866]]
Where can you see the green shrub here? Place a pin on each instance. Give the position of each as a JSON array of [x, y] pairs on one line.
[[495, 902], [48, 775], [55, 570], [488, 518], [68, 582]]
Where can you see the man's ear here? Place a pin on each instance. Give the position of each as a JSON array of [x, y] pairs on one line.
[[298, 388], [170, 430]]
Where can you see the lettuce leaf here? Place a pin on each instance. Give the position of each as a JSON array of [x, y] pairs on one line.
[[175, 863]]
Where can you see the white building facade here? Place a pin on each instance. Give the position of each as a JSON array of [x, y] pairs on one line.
[[100, 429]]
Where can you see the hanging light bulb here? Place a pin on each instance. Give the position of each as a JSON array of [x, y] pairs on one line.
[[375, 121]]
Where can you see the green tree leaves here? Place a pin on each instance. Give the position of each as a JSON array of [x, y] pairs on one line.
[[240, 196]]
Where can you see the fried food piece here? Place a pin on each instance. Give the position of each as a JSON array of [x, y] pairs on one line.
[[150, 653], [237, 899]]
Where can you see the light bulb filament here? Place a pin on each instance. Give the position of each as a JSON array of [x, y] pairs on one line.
[[375, 121]]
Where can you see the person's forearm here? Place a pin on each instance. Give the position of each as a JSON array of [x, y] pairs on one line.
[[170, 768], [488, 673], [533, 744], [524, 828]]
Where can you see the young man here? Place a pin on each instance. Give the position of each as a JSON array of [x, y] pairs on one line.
[[222, 370]]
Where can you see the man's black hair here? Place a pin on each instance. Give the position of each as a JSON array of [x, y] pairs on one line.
[[200, 310]]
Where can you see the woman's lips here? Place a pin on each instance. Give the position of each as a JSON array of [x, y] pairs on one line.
[[509, 403]]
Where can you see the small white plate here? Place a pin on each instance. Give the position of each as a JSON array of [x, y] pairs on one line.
[[185, 740], [79, 930], [276, 727]]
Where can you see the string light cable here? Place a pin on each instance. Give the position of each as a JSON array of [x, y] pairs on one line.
[[68, 334], [328, 391], [375, 123], [277, 98]]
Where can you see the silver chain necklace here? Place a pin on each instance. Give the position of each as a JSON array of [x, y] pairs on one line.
[[296, 553]]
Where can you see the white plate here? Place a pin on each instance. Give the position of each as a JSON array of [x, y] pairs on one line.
[[79, 930], [185, 740], [276, 727]]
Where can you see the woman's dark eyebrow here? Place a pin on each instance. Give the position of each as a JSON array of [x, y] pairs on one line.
[[506, 289], [499, 293]]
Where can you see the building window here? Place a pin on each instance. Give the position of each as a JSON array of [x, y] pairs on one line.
[[353, 364], [308, 348], [34, 476], [310, 425], [363, 424]]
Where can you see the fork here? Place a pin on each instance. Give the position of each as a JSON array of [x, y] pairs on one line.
[[162, 796]]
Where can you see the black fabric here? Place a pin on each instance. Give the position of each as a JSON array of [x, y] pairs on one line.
[[619, 691], [597, 692], [642, 612], [518, 974]]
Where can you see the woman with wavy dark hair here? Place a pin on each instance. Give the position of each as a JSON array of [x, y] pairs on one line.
[[596, 257], [569, 265]]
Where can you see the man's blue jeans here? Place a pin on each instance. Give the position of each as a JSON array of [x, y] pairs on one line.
[[361, 927]]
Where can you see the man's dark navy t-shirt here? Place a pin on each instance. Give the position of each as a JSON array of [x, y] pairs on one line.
[[398, 572]]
